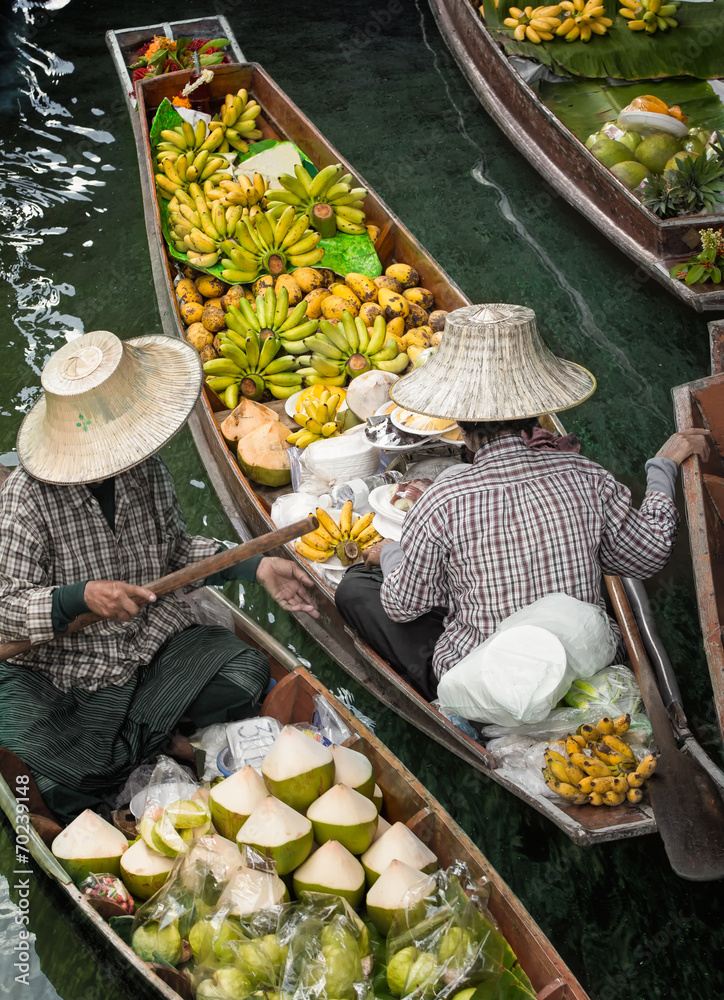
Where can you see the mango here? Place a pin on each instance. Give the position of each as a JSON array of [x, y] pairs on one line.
[[208, 353], [369, 312], [396, 327], [198, 336], [186, 289], [191, 312], [309, 279], [436, 319], [420, 297], [292, 286], [348, 295], [333, 307], [393, 305], [384, 281], [327, 274], [417, 316], [216, 301], [314, 300], [373, 232], [363, 287], [406, 275], [209, 286], [261, 284], [213, 318], [232, 297]]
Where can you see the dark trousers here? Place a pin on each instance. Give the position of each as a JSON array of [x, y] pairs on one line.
[[407, 646]]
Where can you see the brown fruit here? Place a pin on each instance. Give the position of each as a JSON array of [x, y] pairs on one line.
[[363, 287], [394, 305], [421, 297], [232, 297], [198, 336], [261, 284], [314, 302], [309, 279], [216, 343], [417, 316], [216, 301], [383, 281], [369, 312], [191, 312], [187, 290], [209, 286], [333, 307], [294, 289], [208, 353], [328, 275], [353, 303], [436, 319], [213, 318]]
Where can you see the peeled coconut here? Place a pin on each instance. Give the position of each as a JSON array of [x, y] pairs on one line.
[[398, 844], [344, 815], [234, 799], [351, 768], [297, 769], [262, 454], [251, 890], [334, 870], [89, 844], [247, 416], [368, 392], [377, 797], [399, 887], [278, 832], [144, 871]]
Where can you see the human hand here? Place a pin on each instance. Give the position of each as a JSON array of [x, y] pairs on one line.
[[371, 556], [115, 600], [683, 444], [287, 584]]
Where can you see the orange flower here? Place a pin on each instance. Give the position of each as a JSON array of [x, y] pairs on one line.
[[181, 102], [160, 42]]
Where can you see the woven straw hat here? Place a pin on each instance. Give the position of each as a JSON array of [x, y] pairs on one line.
[[492, 364], [107, 405]]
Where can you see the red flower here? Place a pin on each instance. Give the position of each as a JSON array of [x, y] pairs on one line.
[[138, 74], [169, 66], [197, 44], [144, 48]]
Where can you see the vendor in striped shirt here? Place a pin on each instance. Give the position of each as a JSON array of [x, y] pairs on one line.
[[89, 517], [519, 522]]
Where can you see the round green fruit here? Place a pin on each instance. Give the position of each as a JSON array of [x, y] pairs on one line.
[[656, 150], [630, 173], [609, 151], [631, 139]]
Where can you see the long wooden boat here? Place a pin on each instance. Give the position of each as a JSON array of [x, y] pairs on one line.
[[653, 244], [248, 506], [701, 404], [406, 801]]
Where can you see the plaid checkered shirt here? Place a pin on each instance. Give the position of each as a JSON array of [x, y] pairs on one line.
[[55, 535], [519, 524]]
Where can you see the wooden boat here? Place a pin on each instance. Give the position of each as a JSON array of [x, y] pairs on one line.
[[406, 801], [653, 244], [248, 507], [701, 404]]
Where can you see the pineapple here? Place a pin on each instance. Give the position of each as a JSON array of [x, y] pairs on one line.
[[656, 196], [697, 185]]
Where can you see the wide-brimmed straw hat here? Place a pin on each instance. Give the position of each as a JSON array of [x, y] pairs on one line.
[[107, 405], [492, 364]]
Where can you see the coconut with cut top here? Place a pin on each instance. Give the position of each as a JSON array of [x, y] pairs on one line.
[[344, 815], [279, 833], [353, 769], [89, 844], [234, 799], [297, 769], [251, 890], [398, 844], [399, 887], [144, 871], [331, 869]]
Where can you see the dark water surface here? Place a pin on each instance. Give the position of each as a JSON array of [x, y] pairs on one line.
[[74, 258]]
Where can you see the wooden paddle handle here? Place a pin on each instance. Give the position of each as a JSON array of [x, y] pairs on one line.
[[188, 575]]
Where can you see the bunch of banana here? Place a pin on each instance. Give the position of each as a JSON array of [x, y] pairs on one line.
[[649, 15], [534, 24], [582, 19], [272, 316], [254, 364], [317, 419], [199, 229], [237, 121], [329, 199], [347, 540], [341, 351], [266, 244], [186, 138], [245, 191], [187, 168]]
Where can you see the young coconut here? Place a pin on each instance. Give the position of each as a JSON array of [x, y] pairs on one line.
[[398, 844], [351, 768], [234, 799], [89, 844], [250, 891], [377, 798], [297, 769], [278, 832], [382, 827], [344, 815], [144, 871], [331, 869], [399, 887]]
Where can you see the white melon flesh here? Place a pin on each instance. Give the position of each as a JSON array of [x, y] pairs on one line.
[[399, 887], [352, 768], [234, 799], [344, 815], [382, 827], [398, 844], [250, 891], [144, 871], [89, 844], [279, 833], [297, 769], [332, 869]]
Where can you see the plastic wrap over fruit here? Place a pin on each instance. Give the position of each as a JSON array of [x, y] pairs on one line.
[[109, 887], [449, 943]]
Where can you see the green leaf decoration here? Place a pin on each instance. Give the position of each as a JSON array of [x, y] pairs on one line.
[[693, 49], [215, 43], [585, 105]]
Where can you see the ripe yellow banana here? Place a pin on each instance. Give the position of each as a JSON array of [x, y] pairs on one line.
[[620, 746], [647, 766], [621, 724], [613, 798], [314, 555], [345, 518], [328, 523], [360, 524]]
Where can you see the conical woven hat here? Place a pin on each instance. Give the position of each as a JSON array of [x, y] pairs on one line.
[[492, 364], [107, 405]]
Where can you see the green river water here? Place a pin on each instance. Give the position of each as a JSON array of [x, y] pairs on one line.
[[377, 79]]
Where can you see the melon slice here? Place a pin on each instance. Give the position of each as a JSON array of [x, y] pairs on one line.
[[262, 454], [144, 871], [351, 768], [247, 416], [344, 815], [334, 870], [234, 799], [89, 844], [399, 887], [279, 833], [398, 844], [297, 769], [250, 891]]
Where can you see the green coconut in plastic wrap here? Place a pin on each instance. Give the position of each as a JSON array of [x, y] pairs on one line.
[[279, 833], [398, 844]]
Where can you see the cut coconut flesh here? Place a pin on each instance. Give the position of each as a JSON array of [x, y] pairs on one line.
[[399, 887], [334, 870], [344, 815], [251, 890], [89, 844], [398, 844], [377, 797], [382, 827], [144, 871], [297, 769], [352, 768], [278, 832], [234, 799]]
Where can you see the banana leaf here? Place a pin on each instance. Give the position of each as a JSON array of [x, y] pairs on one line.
[[693, 49], [585, 105]]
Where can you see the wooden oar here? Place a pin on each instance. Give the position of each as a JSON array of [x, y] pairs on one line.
[[687, 804], [189, 574]]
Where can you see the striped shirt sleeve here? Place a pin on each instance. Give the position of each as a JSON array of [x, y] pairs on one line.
[[419, 583], [26, 594], [636, 543]]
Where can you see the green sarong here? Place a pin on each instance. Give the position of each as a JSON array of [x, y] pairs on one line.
[[81, 745]]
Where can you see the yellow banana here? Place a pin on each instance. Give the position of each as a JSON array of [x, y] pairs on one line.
[[361, 523], [368, 536], [621, 724], [602, 784], [635, 779], [345, 518], [589, 733], [328, 523], [605, 726], [647, 766], [613, 798], [595, 799], [574, 744], [314, 555], [317, 541], [574, 774], [634, 795], [596, 768], [579, 759], [620, 784], [620, 746]]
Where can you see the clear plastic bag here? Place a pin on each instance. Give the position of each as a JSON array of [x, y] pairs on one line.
[[328, 721], [167, 783], [251, 740]]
